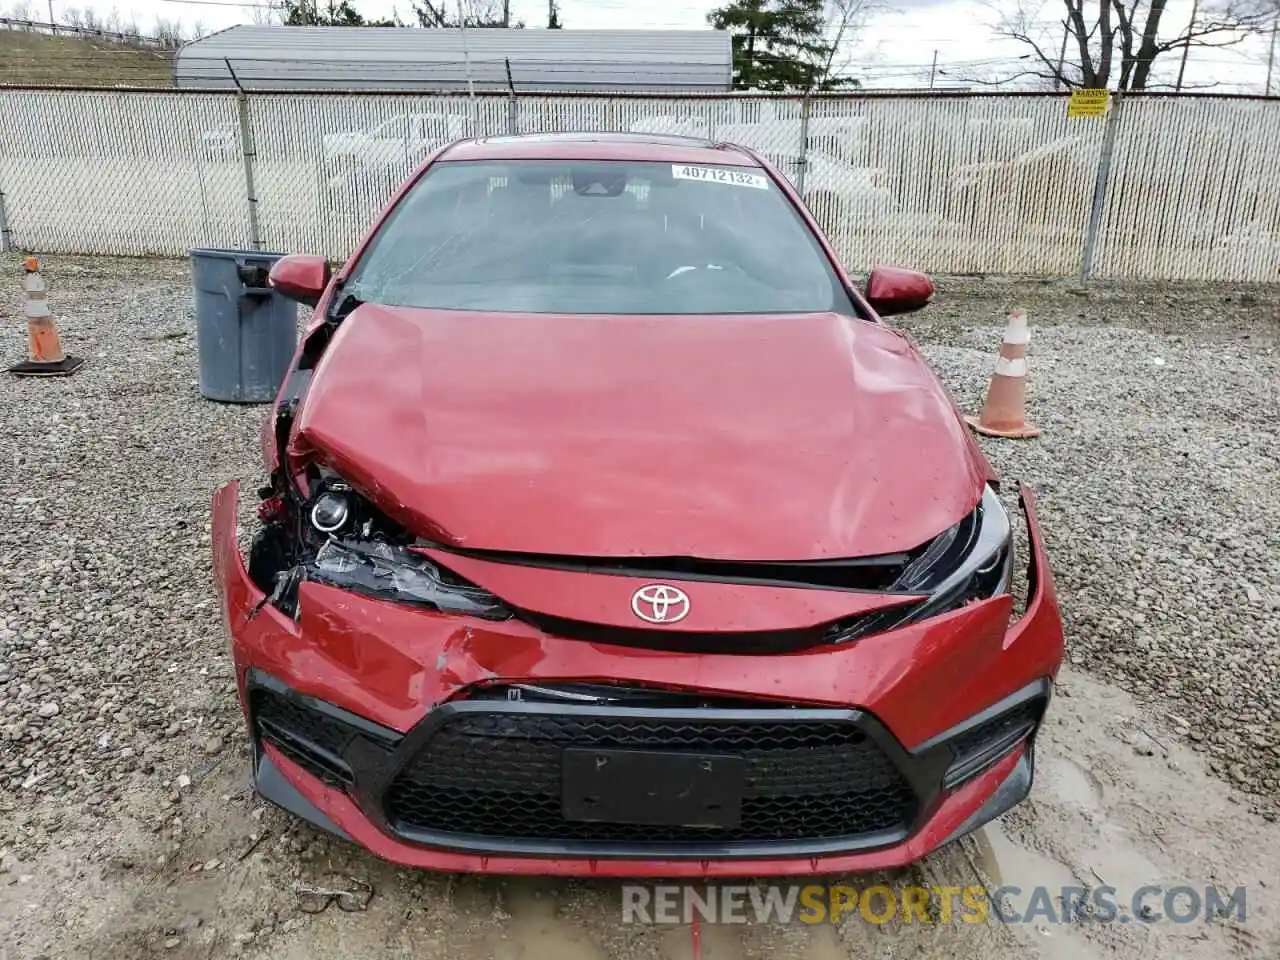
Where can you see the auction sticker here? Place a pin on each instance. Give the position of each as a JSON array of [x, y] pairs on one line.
[[729, 175]]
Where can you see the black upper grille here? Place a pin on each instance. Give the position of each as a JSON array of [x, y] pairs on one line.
[[498, 774], [753, 643], [856, 573], [615, 694]]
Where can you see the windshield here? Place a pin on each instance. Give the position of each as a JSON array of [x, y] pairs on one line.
[[567, 236]]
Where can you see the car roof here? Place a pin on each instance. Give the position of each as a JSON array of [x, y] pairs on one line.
[[601, 146]]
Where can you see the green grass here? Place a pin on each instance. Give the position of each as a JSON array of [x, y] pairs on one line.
[[37, 59]]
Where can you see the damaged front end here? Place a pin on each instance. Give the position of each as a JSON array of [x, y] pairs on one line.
[[367, 717], [317, 527]]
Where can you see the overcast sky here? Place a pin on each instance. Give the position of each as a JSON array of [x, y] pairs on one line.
[[895, 50]]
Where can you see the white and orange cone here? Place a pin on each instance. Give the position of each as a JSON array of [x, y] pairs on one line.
[[44, 346], [1005, 412]]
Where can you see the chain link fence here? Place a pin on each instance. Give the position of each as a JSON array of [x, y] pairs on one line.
[[1161, 188]]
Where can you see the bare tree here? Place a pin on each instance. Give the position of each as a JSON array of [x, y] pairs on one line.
[[845, 19], [266, 14], [20, 10], [117, 23], [170, 33], [1115, 43], [470, 13]]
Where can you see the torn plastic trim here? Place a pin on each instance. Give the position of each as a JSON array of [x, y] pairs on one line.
[[341, 304], [384, 571], [272, 785]]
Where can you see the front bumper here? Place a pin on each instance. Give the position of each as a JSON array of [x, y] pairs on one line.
[[394, 675]]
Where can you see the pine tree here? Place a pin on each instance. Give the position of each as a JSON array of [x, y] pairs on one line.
[[777, 44], [334, 13]]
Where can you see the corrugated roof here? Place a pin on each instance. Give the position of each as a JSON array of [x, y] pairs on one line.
[[408, 58]]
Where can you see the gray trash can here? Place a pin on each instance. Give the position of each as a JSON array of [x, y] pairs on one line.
[[245, 331]]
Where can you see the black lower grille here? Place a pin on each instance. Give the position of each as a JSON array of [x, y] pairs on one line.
[[498, 774]]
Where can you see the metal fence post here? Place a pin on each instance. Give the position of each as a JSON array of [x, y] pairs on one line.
[[6, 238], [513, 110], [249, 155], [804, 143], [1097, 209]]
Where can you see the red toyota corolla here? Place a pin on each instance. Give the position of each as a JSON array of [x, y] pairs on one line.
[[608, 532]]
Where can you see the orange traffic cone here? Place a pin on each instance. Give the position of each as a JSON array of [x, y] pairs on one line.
[[43, 343], [1005, 412]]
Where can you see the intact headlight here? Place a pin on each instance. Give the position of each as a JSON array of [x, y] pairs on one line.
[[972, 560]]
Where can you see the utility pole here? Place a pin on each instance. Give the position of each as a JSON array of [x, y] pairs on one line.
[[933, 69], [1271, 57], [1182, 67], [506, 13], [471, 83]]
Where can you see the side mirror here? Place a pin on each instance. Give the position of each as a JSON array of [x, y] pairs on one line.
[[300, 277], [894, 290]]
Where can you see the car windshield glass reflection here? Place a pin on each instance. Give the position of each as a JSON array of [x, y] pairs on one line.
[[598, 237]]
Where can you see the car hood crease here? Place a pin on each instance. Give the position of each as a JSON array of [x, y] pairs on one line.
[[788, 437]]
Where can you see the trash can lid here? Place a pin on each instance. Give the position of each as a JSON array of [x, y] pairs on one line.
[[218, 253]]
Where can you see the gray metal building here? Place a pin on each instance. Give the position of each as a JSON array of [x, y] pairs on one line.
[[407, 58]]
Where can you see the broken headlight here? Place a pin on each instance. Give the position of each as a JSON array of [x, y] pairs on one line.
[[391, 572], [339, 538], [972, 560]]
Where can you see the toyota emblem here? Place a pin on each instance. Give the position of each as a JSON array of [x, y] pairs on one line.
[[659, 603]]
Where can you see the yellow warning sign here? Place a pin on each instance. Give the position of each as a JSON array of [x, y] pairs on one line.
[[1088, 103]]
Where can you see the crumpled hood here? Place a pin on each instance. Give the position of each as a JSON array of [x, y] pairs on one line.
[[728, 437]]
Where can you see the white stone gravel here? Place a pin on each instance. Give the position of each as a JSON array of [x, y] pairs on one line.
[[112, 665], [1157, 475]]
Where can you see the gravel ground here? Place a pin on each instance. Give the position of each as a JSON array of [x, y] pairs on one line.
[[1159, 480], [122, 761]]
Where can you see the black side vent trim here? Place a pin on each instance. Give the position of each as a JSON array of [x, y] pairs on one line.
[[982, 740]]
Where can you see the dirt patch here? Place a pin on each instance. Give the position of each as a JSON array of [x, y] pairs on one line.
[[1119, 803]]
